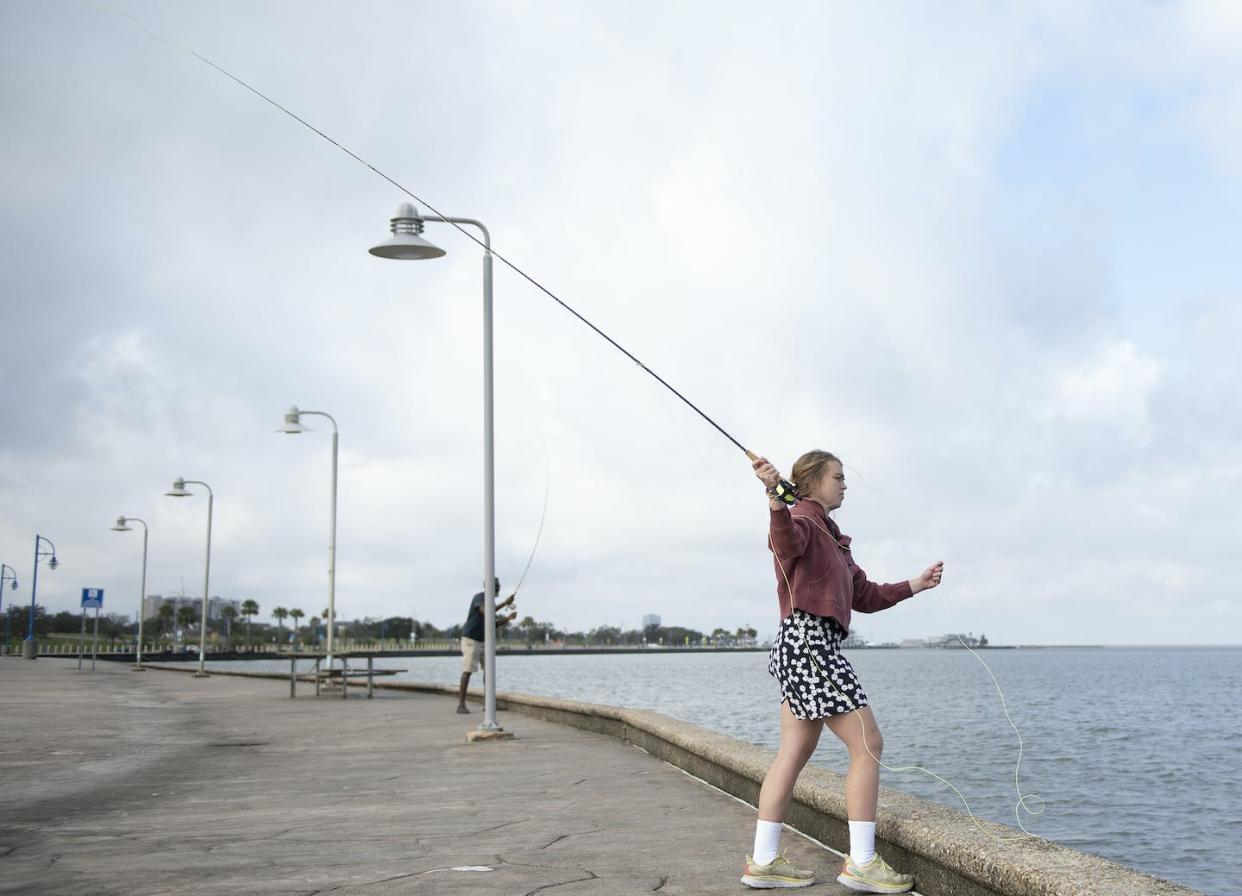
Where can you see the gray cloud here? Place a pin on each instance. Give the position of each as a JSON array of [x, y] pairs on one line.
[[924, 242]]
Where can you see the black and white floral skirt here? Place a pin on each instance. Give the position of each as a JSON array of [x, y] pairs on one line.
[[815, 679]]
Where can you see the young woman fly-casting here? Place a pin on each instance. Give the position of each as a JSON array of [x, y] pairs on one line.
[[818, 585]]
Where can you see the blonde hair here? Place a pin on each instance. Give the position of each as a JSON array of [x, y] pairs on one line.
[[810, 468]]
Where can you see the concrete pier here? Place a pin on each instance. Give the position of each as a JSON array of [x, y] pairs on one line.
[[161, 783]]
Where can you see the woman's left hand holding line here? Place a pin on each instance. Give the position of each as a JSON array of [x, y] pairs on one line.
[[928, 578]]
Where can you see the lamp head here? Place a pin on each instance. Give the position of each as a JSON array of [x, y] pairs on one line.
[[406, 242], [178, 490], [121, 525], [293, 422], [13, 584], [53, 563]]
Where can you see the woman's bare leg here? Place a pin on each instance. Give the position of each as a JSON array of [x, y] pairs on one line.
[[861, 736], [799, 738]]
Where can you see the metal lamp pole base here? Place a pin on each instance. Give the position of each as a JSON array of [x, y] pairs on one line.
[[488, 734]]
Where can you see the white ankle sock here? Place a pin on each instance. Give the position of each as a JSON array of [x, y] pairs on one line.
[[862, 841], [767, 841]]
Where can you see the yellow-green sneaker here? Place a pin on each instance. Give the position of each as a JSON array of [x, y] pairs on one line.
[[874, 877], [777, 873]]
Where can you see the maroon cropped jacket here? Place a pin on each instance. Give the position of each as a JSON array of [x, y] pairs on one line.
[[820, 568]]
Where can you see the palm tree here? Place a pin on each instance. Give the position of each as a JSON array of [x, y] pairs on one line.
[[280, 614], [249, 608], [185, 616], [229, 613], [165, 615], [295, 614]]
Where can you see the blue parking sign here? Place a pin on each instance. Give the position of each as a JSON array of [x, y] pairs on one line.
[[92, 598]]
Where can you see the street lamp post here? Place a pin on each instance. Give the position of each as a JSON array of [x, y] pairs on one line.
[[30, 647], [293, 426], [7, 574], [178, 491], [122, 525], [406, 243]]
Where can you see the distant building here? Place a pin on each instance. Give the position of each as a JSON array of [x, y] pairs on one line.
[[215, 606], [956, 639], [913, 642], [651, 619]]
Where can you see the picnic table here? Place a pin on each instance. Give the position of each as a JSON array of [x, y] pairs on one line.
[[332, 674]]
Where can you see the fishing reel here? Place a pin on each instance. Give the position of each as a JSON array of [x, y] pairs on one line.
[[785, 492]]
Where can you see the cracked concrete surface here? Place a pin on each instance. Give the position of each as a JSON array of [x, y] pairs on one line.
[[155, 783]]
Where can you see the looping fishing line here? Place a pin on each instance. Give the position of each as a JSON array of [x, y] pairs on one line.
[[854, 472], [547, 492], [686, 436], [1019, 807]]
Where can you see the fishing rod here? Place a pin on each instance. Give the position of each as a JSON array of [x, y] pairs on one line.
[[784, 491]]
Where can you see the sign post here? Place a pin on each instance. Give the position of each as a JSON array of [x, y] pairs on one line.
[[95, 640], [81, 637], [91, 598]]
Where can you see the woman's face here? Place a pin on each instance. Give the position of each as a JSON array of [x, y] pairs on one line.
[[830, 489]]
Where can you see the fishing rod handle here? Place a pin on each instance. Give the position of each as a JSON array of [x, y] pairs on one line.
[[784, 490]]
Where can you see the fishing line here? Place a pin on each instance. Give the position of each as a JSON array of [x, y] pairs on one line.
[[547, 491], [1022, 798], [853, 471], [686, 436]]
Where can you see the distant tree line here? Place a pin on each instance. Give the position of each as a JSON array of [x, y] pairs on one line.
[[528, 631], [170, 627], [16, 621]]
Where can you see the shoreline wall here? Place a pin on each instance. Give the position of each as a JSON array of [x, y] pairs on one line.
[[949, 853]]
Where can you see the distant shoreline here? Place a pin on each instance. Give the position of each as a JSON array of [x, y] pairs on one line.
[[192, 656], [570, 651]]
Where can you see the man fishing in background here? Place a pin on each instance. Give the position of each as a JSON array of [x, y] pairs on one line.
[[472, 639]]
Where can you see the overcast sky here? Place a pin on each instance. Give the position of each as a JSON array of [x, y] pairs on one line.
[[988, 254]]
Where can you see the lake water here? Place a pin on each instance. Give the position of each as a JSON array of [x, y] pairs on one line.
[[1136, 752]]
